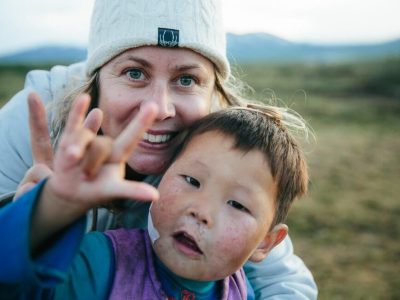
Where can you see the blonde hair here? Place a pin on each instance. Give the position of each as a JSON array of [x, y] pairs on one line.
[[60, 108]]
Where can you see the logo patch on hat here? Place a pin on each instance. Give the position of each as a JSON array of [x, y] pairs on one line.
[[168, 37]]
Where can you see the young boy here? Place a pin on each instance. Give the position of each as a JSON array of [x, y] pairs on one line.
[[221, 202]]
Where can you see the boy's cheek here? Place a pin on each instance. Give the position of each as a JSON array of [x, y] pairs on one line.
[[171, 187], [166, 209], [236, 241]]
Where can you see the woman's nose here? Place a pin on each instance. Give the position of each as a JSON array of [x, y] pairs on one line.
[[162, 97]]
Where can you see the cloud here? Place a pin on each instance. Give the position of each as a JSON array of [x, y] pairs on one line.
[[327, 21], [26, 23]]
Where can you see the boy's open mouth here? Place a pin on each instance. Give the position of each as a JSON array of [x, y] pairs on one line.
[[187, 243]]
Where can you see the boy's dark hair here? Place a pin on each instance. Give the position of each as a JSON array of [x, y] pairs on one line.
[[261, 128]]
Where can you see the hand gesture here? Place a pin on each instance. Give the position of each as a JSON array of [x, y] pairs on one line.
[[89, 170]]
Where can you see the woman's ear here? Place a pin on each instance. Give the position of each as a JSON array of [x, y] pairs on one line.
[[272, 239]]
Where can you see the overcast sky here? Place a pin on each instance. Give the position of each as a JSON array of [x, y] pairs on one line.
[[27, 23]]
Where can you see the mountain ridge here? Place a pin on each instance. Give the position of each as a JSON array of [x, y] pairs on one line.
[[241, 48]]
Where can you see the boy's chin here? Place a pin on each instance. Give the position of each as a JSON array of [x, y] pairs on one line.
[[197, 271]]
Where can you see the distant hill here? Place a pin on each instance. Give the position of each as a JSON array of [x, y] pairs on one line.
[[256, 47], [46, 54], [253, 47]]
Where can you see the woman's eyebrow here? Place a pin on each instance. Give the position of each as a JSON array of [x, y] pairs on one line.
[[183, 68], [135, 59], [146, 64]]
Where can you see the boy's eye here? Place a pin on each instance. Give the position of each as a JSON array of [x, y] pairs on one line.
[[191, 181], [135, 74], [186, 80], [238, 206]]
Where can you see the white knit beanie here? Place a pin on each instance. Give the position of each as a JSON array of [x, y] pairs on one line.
[[118, 25]]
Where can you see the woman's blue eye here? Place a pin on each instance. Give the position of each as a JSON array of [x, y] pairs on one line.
[[135, 74], [191, 181], [186, 80], [238, 206]]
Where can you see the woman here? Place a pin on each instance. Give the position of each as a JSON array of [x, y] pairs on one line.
[[171, 53]]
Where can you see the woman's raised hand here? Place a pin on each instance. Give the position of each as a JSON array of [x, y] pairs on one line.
[[89, 169]]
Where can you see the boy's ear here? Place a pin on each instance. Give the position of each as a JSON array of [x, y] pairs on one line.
[[272, 239]]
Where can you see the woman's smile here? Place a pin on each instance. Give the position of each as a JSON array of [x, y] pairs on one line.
[[179, 82], [158, 140]]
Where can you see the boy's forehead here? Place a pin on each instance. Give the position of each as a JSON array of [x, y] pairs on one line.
[[211, 144], [203, 148], [215, 141], [209, 141]]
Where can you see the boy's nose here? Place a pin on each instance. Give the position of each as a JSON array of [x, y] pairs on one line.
[[202, 213], [200, 218]]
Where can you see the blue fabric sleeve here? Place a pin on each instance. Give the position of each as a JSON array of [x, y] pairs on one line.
[[16, 262], [282, 275], [92, 273], [250, 291], [69, 268]]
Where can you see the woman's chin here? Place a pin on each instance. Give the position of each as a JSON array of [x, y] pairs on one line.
[[149, 164]]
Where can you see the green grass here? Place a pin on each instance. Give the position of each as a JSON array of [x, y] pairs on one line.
[[12, 79], [347, 229]]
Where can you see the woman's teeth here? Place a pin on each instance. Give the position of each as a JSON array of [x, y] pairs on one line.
[[160, 138]]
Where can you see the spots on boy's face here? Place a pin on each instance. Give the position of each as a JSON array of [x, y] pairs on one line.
[[196, 196]]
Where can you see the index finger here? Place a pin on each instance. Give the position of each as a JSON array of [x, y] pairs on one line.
[[42, 151], [133, 133]]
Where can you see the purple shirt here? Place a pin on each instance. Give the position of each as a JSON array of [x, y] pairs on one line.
[[135, 275]]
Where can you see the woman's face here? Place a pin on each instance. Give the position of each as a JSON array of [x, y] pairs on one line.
[[179, 81]]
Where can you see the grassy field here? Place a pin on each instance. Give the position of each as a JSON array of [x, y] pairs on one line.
[[347, 229]]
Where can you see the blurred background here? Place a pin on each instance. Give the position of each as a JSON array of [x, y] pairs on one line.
[[335, 62]]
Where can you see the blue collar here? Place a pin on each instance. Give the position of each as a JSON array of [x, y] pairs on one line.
[[176, 286]]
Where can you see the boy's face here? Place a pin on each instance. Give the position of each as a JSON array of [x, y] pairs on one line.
[[215, 208]]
